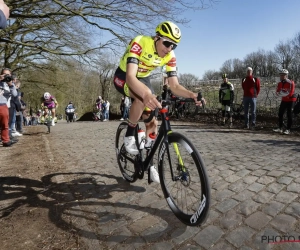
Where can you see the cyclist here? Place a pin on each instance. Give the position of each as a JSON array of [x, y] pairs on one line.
[[51, 103], [70, 105], [144, 54], [226, 97], [69, 108], [286, 90]]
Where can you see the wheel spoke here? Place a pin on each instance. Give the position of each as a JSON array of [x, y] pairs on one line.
[[184, 180]]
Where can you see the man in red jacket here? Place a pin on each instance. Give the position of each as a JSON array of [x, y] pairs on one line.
[[251, 87], [285, 90]]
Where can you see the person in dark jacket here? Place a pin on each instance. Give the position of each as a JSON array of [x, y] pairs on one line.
[[251, 87], [226, 97], [15, 106]]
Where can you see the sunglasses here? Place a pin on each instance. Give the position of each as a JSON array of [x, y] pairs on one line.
[[168, 44]]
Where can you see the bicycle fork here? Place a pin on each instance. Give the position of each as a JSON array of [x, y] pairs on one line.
[[183, 174]]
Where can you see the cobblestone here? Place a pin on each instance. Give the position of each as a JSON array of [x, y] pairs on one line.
[[231, 219], [208, 236], [285, 180], [256, 187], [226, 205], [248, 207], [273, 208], [284, 223], [294, 187], [263, 197], [294, 210], [257, 220], [239, 236], [254, 191], [286, 197]]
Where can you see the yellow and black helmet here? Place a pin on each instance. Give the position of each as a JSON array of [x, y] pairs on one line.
[[224, 76], [170, 30]]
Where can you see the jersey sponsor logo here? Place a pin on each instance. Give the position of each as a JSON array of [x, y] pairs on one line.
[[119, 81], [136, 49], [146, 58], [142, 70], [196, 215], [172, 62]]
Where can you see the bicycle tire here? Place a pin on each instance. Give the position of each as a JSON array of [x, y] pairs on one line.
[[48, 127], [125, 160], [295, 121], [237, 114], [180, 191], [219, 117], [190, 109]]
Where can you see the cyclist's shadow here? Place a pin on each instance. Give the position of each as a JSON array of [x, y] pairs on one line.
[[66, 197], [23, 190]]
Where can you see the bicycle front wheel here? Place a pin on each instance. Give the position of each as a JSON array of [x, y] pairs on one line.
[[125, 160], [184, 181]]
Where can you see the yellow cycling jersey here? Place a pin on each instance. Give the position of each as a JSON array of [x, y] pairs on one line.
[[141, 50]]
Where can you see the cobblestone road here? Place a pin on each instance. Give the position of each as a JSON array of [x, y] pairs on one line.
[[255, 183]]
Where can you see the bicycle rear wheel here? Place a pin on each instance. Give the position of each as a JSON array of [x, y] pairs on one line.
[[219, 117], [183, 179], [295, 121], [125, 160]]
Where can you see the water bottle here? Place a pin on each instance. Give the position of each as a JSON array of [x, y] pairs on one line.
[[141, 138], [150, 140]]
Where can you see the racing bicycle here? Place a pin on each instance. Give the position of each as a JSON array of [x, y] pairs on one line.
[[182, 173], [237, 112]]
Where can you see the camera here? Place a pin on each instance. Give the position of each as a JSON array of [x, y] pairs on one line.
[[7, 78]]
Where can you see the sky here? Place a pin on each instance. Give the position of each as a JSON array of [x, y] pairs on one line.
[[234, 29]]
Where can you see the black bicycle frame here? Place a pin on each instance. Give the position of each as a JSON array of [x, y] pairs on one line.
[[165, 127]]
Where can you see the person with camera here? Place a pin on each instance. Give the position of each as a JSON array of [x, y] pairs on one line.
[[4, 14], [7, 90]]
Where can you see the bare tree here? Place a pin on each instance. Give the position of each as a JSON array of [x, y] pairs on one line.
[[65, 27], [285, 54], [227, 67], [211, 75], [188, 80], [238, 68]]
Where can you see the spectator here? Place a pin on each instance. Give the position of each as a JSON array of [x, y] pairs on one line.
[[15, 106], [285, 90], [19, 114], [251, 87], [24, 113], [106, 111], [7, 89], [28, 120], [4, 14], [226, 97], [126, 108], [99, 103]]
